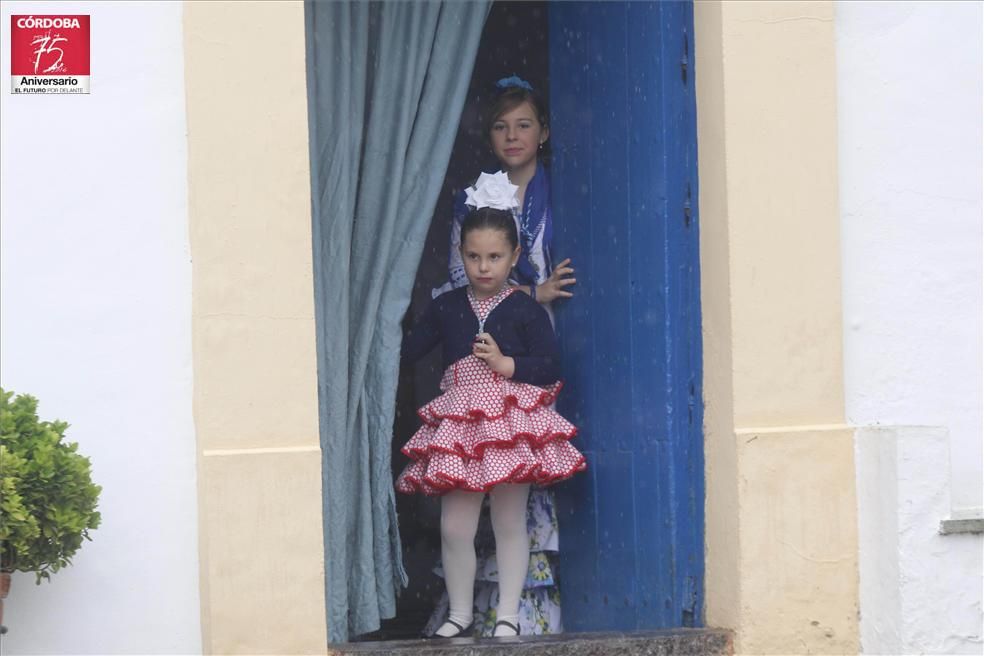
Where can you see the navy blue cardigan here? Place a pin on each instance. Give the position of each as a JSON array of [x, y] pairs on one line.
[[518, 324]]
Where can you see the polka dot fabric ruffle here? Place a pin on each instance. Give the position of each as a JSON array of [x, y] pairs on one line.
[[485, 430]]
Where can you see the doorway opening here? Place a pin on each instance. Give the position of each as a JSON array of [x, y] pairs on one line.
[[620, 80]]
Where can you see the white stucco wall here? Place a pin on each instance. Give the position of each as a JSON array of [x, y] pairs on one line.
[[96, 322], [920, 591], [910, 174], [909, 85]]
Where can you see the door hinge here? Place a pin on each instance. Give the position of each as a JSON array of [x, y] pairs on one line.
[[685, 60], [687, 208]]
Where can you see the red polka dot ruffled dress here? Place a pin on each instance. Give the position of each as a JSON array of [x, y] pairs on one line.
[[485, 429]]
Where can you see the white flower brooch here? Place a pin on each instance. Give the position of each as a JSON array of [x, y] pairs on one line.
[[492, 190]]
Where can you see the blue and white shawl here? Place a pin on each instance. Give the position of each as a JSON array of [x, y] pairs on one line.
[[535, 225]]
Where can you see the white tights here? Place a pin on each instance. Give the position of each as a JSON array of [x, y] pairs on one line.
[[459, 521]]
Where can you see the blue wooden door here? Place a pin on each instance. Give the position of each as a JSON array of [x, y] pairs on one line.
[[624, 198]]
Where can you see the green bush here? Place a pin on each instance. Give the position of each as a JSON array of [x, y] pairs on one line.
[[47, 498]]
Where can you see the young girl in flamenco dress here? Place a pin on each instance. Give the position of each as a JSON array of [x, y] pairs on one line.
[[493, 429], [517, 128]]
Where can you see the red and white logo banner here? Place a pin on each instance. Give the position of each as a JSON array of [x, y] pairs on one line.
[[49, 54]]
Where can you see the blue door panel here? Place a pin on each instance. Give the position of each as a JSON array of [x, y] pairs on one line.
[[579, 571], [684, 314], [616, 546], [624, 186], [654, 570], [648, 184]]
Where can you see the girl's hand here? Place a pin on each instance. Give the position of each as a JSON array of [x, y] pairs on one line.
[[485, 348], [553, 287]]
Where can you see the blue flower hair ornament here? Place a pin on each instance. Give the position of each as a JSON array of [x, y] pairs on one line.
[[513, 81]]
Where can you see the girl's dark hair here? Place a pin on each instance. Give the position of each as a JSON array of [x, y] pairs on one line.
[[511, 98], [488, 218]]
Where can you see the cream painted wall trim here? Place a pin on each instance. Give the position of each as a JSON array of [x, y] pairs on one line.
[[261, 451], [256, 405], [779, 430], [781, 513]]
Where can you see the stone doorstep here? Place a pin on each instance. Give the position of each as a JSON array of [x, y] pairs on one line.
[[674, 642]]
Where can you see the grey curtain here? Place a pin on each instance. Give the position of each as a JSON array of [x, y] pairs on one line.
[[386, 85]]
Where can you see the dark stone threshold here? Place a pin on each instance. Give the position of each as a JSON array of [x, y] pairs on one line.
[[674, 642]]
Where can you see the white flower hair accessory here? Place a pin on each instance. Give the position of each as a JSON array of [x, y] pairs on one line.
[[492, 190]]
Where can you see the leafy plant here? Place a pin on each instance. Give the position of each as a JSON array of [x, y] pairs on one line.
[[47, 497]]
